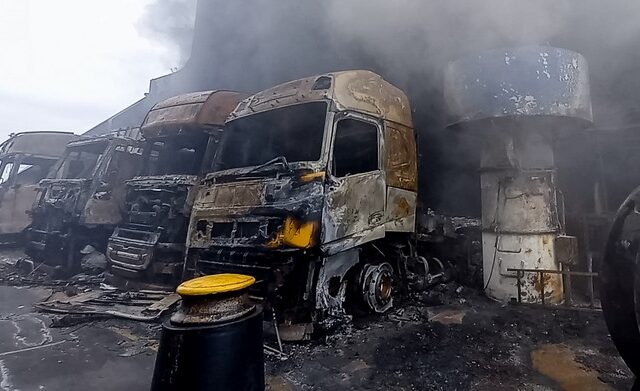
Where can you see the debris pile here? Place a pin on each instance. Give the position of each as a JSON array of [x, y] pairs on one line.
[[144, 306]]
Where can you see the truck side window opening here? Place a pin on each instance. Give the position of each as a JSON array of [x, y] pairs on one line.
[[355, 149], [6, 172], [30, 173]]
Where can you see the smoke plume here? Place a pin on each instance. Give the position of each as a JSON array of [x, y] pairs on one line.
[[253, 44], [170, 22]]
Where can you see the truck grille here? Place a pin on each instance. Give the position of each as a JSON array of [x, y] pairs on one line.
[[245, 229]]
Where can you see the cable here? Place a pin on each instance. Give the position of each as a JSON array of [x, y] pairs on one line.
[[495, 244]]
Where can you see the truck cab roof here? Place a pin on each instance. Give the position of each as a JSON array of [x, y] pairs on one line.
[[193, 111], [357, 90], [44, 144]]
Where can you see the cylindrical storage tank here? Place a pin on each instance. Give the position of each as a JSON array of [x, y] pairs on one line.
[[214, 341], [517, 101]]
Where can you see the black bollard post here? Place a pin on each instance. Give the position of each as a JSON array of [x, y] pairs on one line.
[[214, 341]]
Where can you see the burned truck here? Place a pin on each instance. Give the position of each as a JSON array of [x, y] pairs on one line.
[[82, 200], [314, 193], [25, 158], [181, 135]]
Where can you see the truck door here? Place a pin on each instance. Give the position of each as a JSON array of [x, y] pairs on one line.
[[19, 188], [355, 190]]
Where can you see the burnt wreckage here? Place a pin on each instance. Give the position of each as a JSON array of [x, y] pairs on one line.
[[181, 135], [82, 200], [25, 158], [314, 193]]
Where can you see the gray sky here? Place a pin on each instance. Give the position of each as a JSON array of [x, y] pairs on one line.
[[69, 64]]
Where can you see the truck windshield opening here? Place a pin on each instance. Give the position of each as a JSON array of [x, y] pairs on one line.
[[293, 132], [176, 155], [80, 162]]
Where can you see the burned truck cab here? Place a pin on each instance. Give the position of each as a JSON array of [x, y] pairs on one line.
[[25, 158], [314, 185], [82, 200], [180, 136]]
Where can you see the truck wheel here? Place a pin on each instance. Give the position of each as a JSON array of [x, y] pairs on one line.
[[375, 283], [620, 281]]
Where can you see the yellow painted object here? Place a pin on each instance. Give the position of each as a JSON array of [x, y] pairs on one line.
[[312, 176], [295, 234], [214, 284]]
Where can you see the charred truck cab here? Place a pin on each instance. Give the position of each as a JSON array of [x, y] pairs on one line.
[[181, 135], [25, 158], [82, 200], [314, 194]]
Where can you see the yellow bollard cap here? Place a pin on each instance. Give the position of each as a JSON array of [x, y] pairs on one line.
[[214, 284]]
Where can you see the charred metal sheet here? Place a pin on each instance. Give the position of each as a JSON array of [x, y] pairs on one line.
[[523, 202], [355, 240], [353, 204], [273, 212], [140, 306], [331, 286], [151, 182], [158, 212], [358, 90], [513, 82], [195, 111]]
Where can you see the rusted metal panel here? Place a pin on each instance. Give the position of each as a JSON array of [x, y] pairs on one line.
[[358, 90], [400, 157], [524, 201], [367, 92], [195, 111], [515, 251], [400, 210], [515, 82]]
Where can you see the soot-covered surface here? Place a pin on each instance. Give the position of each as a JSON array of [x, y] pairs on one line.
[[450, 338]]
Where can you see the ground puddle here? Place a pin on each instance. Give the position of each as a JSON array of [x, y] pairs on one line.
[[558, 362]]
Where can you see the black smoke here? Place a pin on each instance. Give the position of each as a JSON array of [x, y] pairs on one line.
[[253, 44]]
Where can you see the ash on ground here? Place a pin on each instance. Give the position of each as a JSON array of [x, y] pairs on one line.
[[451, 337]]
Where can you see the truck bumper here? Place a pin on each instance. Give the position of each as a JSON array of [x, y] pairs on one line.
[[134, 254]]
